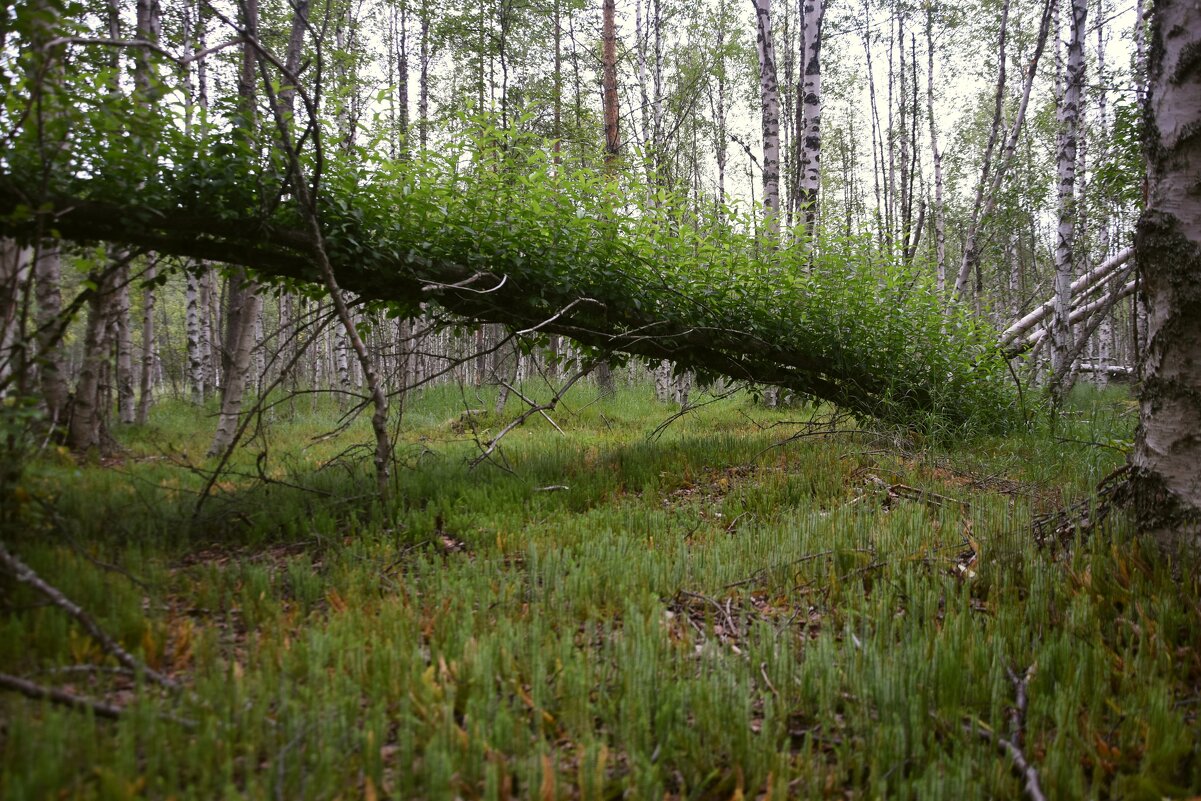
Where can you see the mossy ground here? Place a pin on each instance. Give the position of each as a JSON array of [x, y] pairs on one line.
[[708, 614]]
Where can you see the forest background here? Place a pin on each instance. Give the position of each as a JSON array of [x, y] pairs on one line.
[[904, 232]]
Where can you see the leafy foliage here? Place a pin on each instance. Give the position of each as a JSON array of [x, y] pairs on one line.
[[620, 266]]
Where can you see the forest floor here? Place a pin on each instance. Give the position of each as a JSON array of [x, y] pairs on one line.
[[750, 603]]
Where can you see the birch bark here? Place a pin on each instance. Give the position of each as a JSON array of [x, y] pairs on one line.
[[47, 273], [769, 94], [813, 17], [1167, 452], [1069, 115]]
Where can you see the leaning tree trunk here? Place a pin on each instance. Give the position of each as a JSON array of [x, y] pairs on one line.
[[940, 224], [1167, 451], [146, 374]]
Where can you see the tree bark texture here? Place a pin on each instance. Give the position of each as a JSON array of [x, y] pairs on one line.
[[813, 16], [1065, 241], [609, 69], [239, 345], [87, 412], [1167, 452], [769, 94], [47, 270]]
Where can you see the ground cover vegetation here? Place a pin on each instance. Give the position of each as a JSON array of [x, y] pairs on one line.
[[725, 609]]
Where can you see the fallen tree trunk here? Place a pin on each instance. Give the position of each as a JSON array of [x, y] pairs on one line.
[[1082, 286], [1078, 315], [585, 270]]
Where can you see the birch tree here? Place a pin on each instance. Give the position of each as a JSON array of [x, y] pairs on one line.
[[810, 135], [243, 301], [1167, 452], [769, 95], [940, 223], [1069, 116]]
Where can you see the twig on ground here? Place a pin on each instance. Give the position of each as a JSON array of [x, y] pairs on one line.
[[733, 526], [490, 446], [766, 680], [761, 571], [40, 692], [734, 630], [26, 575], [1012, 744]]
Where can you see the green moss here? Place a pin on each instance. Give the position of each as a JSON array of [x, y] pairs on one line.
[[690, 617]]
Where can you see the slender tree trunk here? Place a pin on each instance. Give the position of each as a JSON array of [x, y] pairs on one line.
[[1167, 451], [940, 219], [971, 253], [146, 377], [986, 196], [814, 12], [1061, 330], [123, 323], [47, 271], [240, 346], [769, 95], [211, 330], [423, 84], [1105, 331], [195, 331], [609, 70], [877, 135], [242, 302], [14, 271], [84, 432]]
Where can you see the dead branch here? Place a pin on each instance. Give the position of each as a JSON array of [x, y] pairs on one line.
[[531, 404], [465, 285], [40, 692], [1012, 744], [490, 446], [25, 574]]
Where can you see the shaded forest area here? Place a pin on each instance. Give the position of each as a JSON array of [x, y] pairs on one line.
[[550, 400]]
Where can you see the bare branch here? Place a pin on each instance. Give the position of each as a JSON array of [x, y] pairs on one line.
[[25, 574]]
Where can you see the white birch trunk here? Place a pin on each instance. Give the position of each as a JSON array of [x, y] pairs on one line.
[[146, 376], [52, 376], [123, 323], [813, 16], [194, 332], [769, 95], [84, 432], [14, 269], [241, 344], [1069, 116], [1167, 450]]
